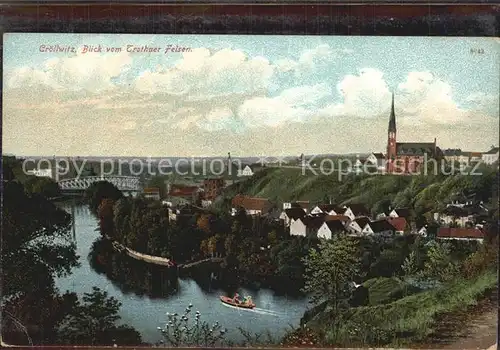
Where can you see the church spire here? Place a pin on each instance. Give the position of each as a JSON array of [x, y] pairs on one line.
[[392, 120]]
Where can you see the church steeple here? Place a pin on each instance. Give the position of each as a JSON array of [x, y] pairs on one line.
[[392, 119], [391, 140]]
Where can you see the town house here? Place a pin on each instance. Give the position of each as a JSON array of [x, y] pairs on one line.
[[328, 209], [297, 204], [460, 234], [292, 214], [251, 205], [400, 225], [400, 213], [329, 228], [246, 170], [461, 214], [377, 160], [356, 226], [354, 211], [307, 226], [188, 194], [380, 228], [491, 156]]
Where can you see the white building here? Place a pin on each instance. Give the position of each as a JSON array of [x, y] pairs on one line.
[[378, 228], [356, 226], [328, 209], [491, 156], [41, 172], [297, 204], [377, 159], [292, 214], [298, 228], [354, 211], [400, 213], [246, 171], [329, 228]]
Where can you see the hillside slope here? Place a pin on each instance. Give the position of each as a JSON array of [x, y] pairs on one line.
[[424, 193]]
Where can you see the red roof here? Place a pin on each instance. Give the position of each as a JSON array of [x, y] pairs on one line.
[[459, 232], [182, 191], [399, 224], [251, 203]]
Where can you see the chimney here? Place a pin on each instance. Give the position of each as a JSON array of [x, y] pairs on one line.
[[435, 145]]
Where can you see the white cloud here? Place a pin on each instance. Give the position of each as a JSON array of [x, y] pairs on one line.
[[364, 95], [311, 59], [91, 71], [429, 98], [292, 105], [200, 74]]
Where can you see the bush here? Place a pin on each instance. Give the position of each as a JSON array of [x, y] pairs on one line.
[[178, 332]]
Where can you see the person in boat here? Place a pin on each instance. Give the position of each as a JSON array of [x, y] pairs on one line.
[[236, 298]]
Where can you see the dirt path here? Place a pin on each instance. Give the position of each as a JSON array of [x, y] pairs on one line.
[[481, 333], [473, 328]]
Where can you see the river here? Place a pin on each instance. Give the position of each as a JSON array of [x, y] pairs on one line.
[[147, 295]]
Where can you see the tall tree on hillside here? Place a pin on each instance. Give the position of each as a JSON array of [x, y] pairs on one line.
[[329, 270]]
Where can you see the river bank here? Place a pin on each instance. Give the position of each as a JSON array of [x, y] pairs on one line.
[[151, 259], [147, 291]]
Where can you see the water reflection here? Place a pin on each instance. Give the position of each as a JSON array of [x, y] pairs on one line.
[[132, 276], [147, 291]]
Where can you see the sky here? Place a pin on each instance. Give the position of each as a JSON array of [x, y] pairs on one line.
[[248, 95]]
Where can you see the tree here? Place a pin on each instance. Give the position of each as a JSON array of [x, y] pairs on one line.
[[101, 190], [409, 266], [329, 270], [105, 214], [212, 245], [93, 322], [439, 264], [42, 185], [36, 247], [203, 223]]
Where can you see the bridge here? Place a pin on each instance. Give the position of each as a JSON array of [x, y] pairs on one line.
[[123, 183]]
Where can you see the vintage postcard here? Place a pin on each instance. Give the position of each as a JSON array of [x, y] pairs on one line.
[[276, 191]]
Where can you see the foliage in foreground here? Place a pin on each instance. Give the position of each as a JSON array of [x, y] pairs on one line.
[[93, 322], [187, 330], [330, 269], [36, 248]]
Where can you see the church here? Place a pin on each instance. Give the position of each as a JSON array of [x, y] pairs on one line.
[[407, 157]]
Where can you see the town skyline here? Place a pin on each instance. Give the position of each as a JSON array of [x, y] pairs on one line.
[[251, 96]]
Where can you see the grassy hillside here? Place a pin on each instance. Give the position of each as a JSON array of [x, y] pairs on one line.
[[423, 192], [383, 290], [409, 319]]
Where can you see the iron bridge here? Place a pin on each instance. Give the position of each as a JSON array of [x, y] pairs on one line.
[[123, 183]]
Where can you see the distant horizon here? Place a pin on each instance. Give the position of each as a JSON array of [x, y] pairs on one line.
[[193, 96]]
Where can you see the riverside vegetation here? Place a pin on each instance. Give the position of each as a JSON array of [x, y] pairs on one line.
[[37, 247], [409, 280]]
